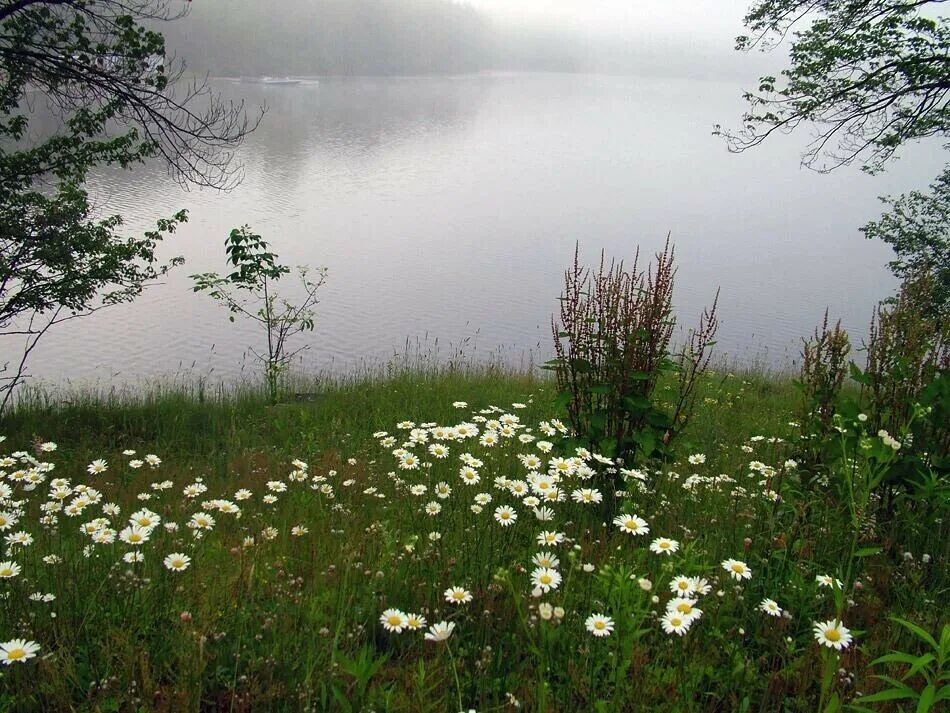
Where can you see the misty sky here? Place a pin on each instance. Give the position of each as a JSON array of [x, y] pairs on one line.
[[706, 21]]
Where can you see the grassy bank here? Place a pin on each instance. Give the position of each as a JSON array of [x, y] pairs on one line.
[[301, 528]]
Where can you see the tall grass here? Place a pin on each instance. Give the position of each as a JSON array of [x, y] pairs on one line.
[[269, 617]]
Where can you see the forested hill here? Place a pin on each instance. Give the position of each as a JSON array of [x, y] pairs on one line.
[[353, 37]]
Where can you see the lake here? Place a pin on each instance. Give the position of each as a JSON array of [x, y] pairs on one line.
[[446, 209]]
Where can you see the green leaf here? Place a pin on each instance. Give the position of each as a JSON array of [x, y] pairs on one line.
[[581, 366], [868, 551], [927, 698], [891, 694], [921, 634], [896, 657], [834, 705], [856, 374]]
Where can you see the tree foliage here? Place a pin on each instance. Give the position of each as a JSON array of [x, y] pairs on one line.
[[917, 226], [249, 291], [868, 75], [100, 70]]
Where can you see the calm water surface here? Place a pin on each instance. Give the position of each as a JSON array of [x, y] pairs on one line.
[[447, 208]]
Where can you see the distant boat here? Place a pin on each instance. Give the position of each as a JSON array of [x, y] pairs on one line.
[[282, 81]]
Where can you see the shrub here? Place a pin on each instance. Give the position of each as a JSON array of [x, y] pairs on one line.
[[612, 345], [824, 360]]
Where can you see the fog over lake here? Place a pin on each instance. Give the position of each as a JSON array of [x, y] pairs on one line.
[[446, 208]]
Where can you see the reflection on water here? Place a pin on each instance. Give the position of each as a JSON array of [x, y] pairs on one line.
[[446, 207]]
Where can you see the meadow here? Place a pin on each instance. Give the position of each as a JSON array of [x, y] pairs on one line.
[[438, 541]]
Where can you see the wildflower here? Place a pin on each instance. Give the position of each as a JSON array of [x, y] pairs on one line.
[[97, 466], [415, 622], [177, 562], [457, 595], [144, 518], [770, 607], [645, 584], [505, 515], [587, 496], [17, 651], [588, 567], [299, 530], [106, 536], [833, 634], [48, 447], [699, 586], [530, 462], [545, 579], [544, 514], [488, 439], [684, 607], [440, 631], [826, 580], [21, 538], [201, 521], [697, 459], [631, 524], [599, 625], [737, 569], [675, 623], [135, 535], [437, 450], [9, 569], [460, 404], [546, 611], [135, 464], [153, 460], [408, 461], [546, 559], [550, 538], [394, 620], [664, 546], [132, 557], [7, 520]]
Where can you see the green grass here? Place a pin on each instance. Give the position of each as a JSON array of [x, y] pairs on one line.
[[292, 622]]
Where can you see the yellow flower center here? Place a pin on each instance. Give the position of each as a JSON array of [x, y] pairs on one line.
[[684, 607], [676, 621], [6, 572], [16, 654], [545, 579], [599, 625], [394, 620], [738, 568], [832, 634], [135, 537]]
